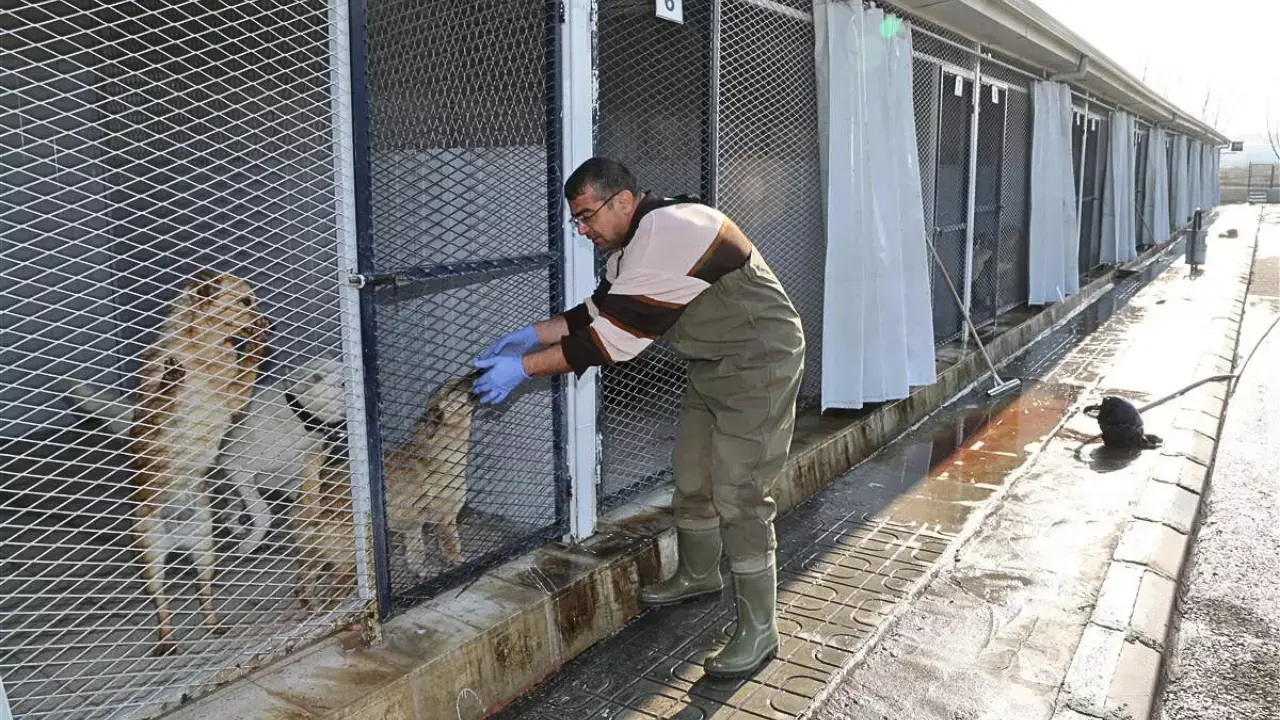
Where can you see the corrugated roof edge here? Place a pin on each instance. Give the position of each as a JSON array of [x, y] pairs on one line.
[[1022, 30]]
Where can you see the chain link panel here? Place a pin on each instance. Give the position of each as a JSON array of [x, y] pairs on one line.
[[653, 116], [768, 172], [993, 102], [168, 278], [944, 64], [1141, 140], [755, 157], [1095, 162], [1015, 211], [466, 247]]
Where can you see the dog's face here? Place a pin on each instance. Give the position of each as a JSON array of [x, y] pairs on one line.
[[451, 404], [222, 302], [318, 385]]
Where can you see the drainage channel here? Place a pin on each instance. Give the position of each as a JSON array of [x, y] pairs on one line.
[[848, 555]]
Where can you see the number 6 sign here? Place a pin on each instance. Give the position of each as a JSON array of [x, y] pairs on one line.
[[672, 10]]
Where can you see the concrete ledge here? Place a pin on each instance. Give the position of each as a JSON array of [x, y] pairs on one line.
[[1117, 668], [471, 651]]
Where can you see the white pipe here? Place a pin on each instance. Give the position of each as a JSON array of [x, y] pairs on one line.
[[1082, 69], [1084, 153], [348, 295], [578, 87], [975, 116]]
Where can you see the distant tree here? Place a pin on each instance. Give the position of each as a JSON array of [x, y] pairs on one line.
[[1273, 134]]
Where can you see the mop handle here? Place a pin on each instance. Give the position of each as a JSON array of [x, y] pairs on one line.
[[960, 303]]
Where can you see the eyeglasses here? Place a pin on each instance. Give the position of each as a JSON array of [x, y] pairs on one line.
[[581, 219]]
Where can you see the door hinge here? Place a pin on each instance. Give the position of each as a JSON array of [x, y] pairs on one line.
[[356, 280], [560, 11]]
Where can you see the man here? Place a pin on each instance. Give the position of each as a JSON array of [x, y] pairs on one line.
[[683, 271]]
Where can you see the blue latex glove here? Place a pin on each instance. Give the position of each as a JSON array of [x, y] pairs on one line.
[[504, 374], [517, 342]]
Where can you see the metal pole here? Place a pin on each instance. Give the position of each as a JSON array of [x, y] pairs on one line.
[[1084, 153], [363, 198], [1196, 241], [348, 294], [5, 713], [578, 92], [711, 163], [975, 116]]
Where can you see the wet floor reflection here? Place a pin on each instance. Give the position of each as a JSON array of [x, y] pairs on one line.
[[847, 554]]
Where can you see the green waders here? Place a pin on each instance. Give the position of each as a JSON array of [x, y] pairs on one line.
[[745, 347]]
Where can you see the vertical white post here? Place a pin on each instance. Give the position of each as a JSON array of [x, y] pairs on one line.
[[5, 714], [975, 115], [348, 295], [578, 78], [1084, 153]]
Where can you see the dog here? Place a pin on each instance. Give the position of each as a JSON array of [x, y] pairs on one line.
[[194, 379], [324, 531], [284, 424], [267, 448], [1121, 425], [426, 477]]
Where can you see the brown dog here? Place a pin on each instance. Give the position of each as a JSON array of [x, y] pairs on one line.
[[322, 528], [192, 383], [426, 478]]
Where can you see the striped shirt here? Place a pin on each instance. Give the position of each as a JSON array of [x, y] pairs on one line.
[[674, 250]]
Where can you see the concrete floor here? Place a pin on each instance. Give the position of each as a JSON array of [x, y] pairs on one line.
[[1226, 665], [76, 624], [995, 633], [988, 633]]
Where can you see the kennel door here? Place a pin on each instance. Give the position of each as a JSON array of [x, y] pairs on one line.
[[465, 244]]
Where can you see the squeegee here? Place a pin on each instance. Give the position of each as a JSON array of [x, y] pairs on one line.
[[1001, 386]]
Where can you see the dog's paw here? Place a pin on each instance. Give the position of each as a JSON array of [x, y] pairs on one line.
[[248, 546], [164, 648]]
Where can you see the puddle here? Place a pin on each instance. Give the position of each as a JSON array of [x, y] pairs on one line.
[[852, 550], [972, 445]]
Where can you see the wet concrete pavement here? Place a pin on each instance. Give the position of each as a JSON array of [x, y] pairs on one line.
[[993, 636], [1227, 659], [985, 633]]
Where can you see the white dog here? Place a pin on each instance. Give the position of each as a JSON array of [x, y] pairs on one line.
[[283, 421]]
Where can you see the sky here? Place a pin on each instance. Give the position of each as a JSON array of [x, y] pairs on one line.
[[1227, 50]]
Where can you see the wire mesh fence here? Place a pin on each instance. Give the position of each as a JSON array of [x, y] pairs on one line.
[[767, 167], [1095, 137], [466, 237], [943, 75], [993, 104], [722, 106], [1141, 140], [176, 496], [653, 115], [950, 200], [1015, 191]]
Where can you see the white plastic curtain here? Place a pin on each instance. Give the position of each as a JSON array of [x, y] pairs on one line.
[[1217, 177], [1181, 185], [1155, 211], [1119, 215], [1209, 187], [1055, 234], [877, 338], [1195, 176]]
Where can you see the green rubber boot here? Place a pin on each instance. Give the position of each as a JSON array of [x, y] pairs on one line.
[[697, 572], [755, 641]]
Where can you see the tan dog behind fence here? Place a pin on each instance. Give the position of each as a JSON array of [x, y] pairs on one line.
[[322, 524], [426, 477], [194, 379]]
